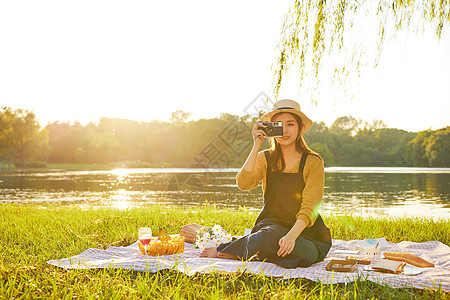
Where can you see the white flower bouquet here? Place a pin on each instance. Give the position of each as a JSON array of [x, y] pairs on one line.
[[212, 237]]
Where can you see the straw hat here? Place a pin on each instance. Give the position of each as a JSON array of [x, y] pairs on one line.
[[289, 106]]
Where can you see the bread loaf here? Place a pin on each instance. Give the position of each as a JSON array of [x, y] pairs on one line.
[[190, 232], [408, 258]]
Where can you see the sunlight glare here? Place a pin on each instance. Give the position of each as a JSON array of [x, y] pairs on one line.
[[121, 200]]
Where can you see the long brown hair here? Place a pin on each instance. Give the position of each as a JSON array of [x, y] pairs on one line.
[[276, 158]]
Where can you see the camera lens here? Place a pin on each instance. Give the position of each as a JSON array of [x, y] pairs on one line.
[[270, 130]]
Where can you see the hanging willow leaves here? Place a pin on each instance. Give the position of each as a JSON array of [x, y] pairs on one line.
[[347, 34]]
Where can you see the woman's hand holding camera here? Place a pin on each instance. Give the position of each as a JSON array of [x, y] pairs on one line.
[[258, 134]]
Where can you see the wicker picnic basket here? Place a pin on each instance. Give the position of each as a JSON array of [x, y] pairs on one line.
[[164, 245]]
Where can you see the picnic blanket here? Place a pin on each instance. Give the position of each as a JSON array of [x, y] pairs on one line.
[[190, 263]]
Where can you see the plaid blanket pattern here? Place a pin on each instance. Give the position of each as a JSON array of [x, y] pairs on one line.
[[190, 263]]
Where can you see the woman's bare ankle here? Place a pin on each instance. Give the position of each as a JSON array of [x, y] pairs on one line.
[[209, 252]]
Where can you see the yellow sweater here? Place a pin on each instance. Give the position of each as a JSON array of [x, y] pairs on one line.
[[314, 177]]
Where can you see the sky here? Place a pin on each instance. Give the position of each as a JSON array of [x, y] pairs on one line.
[[142, 60]]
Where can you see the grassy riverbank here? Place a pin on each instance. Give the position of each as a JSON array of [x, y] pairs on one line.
[[31, 235]]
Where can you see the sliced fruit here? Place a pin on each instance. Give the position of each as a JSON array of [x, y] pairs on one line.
[[163, 236]]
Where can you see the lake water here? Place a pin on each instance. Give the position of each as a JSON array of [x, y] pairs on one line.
[[422, 192]]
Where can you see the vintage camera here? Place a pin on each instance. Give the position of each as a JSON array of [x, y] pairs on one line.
[[273, 129]]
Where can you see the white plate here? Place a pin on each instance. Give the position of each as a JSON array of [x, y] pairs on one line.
[[408, 270]]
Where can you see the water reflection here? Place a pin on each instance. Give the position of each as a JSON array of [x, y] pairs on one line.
[[347, 190]]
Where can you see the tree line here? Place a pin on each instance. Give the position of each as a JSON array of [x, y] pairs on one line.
[[223, 142]]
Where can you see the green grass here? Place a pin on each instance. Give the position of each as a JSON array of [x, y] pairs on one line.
[[31, 235]]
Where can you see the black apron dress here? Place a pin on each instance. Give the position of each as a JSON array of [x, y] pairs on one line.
[[282, 201]]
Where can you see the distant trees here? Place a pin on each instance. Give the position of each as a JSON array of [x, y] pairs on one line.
[[21, 137], [68, 142], [345, 125], [181, 143], [352, 142], [430, 149], [180, 116], [116, 140]]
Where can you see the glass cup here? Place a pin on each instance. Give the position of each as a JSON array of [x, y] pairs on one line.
[[372, 253], [145, 236]]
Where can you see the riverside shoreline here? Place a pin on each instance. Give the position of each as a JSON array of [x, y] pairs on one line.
[[30, 235]]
